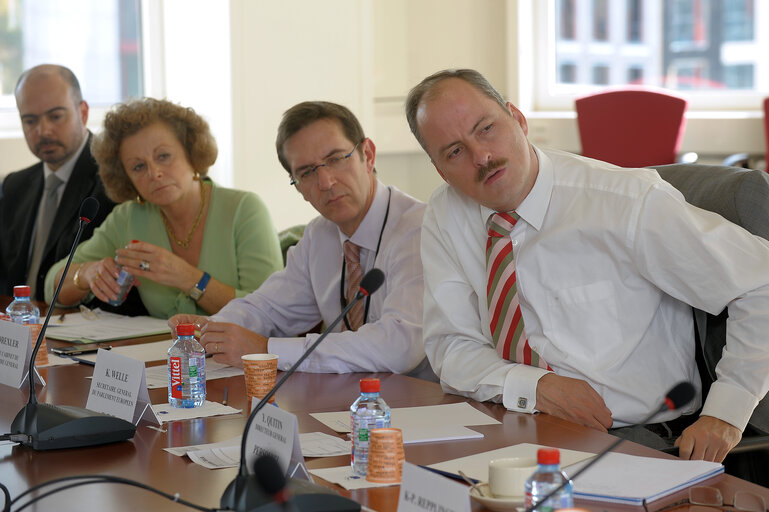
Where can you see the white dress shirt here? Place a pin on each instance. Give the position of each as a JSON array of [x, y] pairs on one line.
[[295, 299], [607, 260]]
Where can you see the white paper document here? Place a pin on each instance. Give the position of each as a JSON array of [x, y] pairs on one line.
[[629, 479], [102, 326], [422, 424], [226, 454], [157, 376], [166, 413]]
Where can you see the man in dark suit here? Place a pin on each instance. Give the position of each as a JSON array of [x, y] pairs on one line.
[[39, 205]]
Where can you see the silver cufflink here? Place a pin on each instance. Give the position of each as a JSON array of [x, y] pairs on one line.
[[522, 402]]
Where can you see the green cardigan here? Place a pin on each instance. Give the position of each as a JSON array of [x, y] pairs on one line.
[[240, 247]]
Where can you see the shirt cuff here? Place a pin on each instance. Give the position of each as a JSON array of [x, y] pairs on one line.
[[288, 350], [520, 390], [730, 404]]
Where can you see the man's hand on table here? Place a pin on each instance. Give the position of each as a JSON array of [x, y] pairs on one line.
[[708, 438], [573, 400], [228, 342]]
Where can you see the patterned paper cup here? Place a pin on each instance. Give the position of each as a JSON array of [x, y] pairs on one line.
[[260, 371], [385, 455]]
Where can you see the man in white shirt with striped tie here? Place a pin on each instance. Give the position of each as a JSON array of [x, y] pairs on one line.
[[561, 284]]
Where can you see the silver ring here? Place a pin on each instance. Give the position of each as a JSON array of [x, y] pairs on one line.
[[145, 265]]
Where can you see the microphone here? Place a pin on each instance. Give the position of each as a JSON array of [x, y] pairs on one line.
[[270, 477], [44, 426], [243, 494], [678, 396]]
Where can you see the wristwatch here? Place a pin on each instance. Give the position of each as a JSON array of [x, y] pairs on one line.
[[197, 291]]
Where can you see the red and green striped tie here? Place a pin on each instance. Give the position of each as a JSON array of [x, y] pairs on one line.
[[505, 317]]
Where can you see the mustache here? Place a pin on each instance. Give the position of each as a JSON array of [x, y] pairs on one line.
[[491, 166], [45, 142]]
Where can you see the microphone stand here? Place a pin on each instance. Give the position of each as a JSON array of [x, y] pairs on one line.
[[44, 426], [243, 493]]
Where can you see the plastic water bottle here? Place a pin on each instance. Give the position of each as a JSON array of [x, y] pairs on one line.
[[125, 279], [369, 411], [186, 369], [547, 478], [23, 311]]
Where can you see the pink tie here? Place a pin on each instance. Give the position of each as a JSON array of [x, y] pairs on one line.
[[353, 275]]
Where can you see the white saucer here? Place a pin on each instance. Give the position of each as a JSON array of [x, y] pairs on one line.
[[495, 504]]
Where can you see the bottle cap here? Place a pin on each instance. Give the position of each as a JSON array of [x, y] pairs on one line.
[[369, 385], [185, 330], [21, 291], [548, 456]]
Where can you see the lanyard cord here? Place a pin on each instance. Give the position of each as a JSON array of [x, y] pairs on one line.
[[342, 298]]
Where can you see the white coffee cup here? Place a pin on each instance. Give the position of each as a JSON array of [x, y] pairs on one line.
[[507, 476]]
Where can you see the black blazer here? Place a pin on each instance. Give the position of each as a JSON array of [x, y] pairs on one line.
[[21, 195]]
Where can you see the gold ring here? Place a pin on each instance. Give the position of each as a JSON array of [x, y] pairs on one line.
[[217, 346]]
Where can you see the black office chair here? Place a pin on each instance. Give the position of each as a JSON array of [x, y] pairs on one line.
[[741, 196]]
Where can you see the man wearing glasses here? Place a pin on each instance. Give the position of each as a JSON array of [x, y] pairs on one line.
[[362, 224]]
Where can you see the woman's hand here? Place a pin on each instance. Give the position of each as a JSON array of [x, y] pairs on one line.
[[146, 260], [101, 277]]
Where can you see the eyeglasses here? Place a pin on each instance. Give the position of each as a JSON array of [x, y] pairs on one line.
[[309, 175], [711, 497]]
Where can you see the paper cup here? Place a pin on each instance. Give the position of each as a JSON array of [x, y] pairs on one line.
[[385, 455], [260, 371], [507, 476], [42, 354]]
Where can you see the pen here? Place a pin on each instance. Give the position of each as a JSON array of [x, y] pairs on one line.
[[224, 398], [61, 318], [447, 474]]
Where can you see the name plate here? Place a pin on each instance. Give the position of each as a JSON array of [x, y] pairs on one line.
[[119, 388], [276, 432], [423, 490], [16, 347]]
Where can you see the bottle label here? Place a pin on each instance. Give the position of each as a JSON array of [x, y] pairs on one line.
[[175, 365]]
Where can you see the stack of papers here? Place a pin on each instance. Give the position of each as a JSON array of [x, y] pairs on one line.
[[97, 326], [617, 478]]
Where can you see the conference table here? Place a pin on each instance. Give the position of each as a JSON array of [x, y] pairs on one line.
[[143, 458]]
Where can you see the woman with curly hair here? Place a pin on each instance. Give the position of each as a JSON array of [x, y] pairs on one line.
[[191, 244]]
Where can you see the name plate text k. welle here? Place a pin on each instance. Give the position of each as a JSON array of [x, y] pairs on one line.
[[119, 388]]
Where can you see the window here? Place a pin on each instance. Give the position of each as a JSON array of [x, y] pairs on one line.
[[601, 20], [634, 21], [739, 76], [601, 75], [635, 75], [99, 40], [568, 73], [567, 28], [700, 47]]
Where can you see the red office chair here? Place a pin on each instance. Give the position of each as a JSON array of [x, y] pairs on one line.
[[631, 127]]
